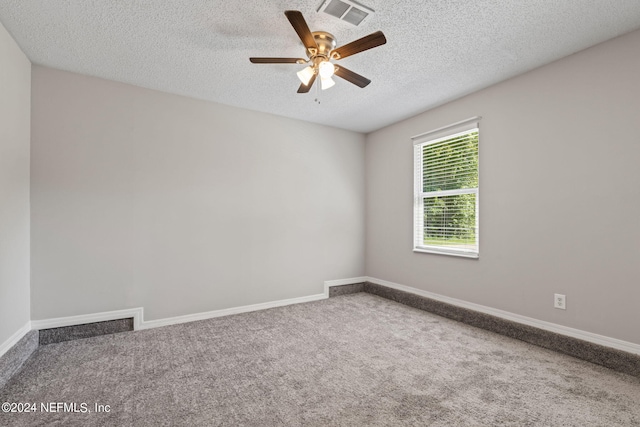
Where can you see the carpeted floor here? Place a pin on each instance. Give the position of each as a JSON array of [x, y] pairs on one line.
[[352, 360]]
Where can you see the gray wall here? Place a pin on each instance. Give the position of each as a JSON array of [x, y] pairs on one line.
[[559, 195], [15, 105], [142, 198]]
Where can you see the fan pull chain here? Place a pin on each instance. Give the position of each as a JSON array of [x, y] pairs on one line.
[[317, 101]]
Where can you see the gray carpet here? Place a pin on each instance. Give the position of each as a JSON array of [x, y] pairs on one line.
[[12, 360], [621, 361], [352, 360]]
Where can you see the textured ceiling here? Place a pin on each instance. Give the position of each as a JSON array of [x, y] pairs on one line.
[[437, 50]]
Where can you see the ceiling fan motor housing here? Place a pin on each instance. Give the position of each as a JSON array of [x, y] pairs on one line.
[[326, 43]]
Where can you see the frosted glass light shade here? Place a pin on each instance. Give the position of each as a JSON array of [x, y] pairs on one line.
[[305, 75], [326, 69], [326, 82]]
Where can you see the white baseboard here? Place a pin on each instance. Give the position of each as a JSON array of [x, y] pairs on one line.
[[547, 326], [138, 315], [139, 323], [59, 322], [13, 339], [342, 282], [226, 312]]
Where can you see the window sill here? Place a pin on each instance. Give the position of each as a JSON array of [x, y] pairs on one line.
[[473, 255]]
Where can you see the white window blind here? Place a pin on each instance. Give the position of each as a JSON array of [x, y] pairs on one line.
[[446, 190]]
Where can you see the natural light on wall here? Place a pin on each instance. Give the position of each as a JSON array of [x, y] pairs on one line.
[[446, 190]]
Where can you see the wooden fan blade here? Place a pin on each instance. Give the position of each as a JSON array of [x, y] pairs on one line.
[[277, 60], [300, 25], [305, 88], [351, 77], [367, 42]]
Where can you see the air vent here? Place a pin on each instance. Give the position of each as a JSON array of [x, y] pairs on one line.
[[346, 10]]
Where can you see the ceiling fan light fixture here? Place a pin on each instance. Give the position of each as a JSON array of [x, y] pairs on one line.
[[326, 82], [326, 69], [305, 75], [321, 50]]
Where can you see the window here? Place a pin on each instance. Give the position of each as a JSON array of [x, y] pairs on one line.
[[446, 190]]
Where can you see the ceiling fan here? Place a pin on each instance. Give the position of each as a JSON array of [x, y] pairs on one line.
[[321, 50]]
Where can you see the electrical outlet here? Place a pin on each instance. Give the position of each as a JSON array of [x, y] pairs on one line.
[[560, 301]]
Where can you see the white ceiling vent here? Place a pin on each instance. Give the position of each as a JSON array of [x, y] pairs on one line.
[[347, 10]]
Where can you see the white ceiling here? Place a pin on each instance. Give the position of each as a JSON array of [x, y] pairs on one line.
[[437, 50]]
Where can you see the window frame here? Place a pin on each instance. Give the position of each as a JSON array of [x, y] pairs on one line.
[[420, 141]]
